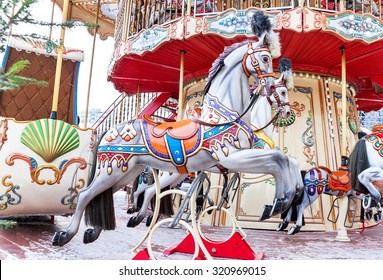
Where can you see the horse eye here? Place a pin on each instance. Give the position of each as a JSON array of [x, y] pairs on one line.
[[265, 59], [283, 93]]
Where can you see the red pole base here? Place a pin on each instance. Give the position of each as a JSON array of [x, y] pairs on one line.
[[142, 255], [234, 248]]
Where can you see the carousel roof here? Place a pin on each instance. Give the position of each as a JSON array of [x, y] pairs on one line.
[[86, 10], [312, 40]]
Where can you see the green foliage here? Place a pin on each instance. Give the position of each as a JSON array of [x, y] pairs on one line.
[[11, 80]]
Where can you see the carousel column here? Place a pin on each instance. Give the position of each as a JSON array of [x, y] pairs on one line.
[[56, 89], [91, 67], [343, 201], [181, 92]]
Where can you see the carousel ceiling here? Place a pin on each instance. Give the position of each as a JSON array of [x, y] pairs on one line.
[[86, 10], [313, 48]]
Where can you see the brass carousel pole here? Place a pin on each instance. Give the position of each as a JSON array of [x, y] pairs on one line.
[[91, 67], [56, 89], [343, 201], [188, 11], [181, 97], [344, 106]]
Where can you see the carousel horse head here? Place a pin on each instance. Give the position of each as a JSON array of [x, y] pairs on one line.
[[259, 54], [280, 98], [253, 56]]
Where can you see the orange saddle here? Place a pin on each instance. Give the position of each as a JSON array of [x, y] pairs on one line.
[[172, 141], [339, 180], [180, 130]]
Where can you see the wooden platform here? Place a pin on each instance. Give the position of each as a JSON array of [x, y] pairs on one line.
[[31, 240]]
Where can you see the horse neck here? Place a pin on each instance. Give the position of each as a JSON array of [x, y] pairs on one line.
[[231, 88], [261, 114]]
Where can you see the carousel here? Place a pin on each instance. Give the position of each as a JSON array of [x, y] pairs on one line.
[[299, 74]]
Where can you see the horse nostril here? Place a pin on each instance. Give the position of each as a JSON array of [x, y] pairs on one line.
[[288, 114]]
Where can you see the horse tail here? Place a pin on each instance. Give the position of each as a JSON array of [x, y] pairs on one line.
[[100, 210], [358, 163]]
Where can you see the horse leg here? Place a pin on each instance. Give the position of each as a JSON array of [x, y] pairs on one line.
[[141, 188], [282, 226], [150, 192], [273, 162], [100, 184], [84, 197]]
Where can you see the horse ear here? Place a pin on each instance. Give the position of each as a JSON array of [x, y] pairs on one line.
[[260, 23]]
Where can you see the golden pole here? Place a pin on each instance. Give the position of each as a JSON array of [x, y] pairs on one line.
[[91, 68], [188, 11], [181, 97], [126, 26], [343, 205], [344, 103], [56, 89]]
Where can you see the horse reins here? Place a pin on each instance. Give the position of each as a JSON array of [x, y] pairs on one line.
[[254, 62], [252, 101]]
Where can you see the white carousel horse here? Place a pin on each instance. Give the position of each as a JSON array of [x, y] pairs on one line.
[[365, 170], [190, 146], [261, 123]]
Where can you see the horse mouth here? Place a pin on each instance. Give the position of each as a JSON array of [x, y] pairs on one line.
[[283, 121]]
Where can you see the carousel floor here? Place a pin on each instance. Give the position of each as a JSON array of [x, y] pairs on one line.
[[31, 240]]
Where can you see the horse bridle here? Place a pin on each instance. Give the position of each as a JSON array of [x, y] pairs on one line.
[[255, 63], [280, 104]]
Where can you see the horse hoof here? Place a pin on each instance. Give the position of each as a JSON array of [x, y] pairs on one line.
[[266, 212], [377, 217], [294, 230], [130, 210], [282, 226], [278, 207], [368, 215], [149, 220], [59, 238], [88, 236], [132, 222]]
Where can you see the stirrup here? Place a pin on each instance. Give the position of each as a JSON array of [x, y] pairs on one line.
[[197, 184], [366, 202], [233, 184]]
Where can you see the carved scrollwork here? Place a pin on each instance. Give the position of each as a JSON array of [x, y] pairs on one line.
[[35, 170], [7, 198]]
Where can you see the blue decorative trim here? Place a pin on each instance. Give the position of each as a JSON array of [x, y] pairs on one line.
[[5, 58], [176, 151], [213, 102], [75, 95], [216, 130], [131, 149]]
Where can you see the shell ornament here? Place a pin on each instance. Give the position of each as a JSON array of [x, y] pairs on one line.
[[50, 138]]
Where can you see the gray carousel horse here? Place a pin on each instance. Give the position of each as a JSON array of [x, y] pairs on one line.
[[361, 180], [261, 122], [145, 181], [190, 146]]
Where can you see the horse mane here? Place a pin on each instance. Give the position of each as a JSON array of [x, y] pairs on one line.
[[358, 163], [228, 50]]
